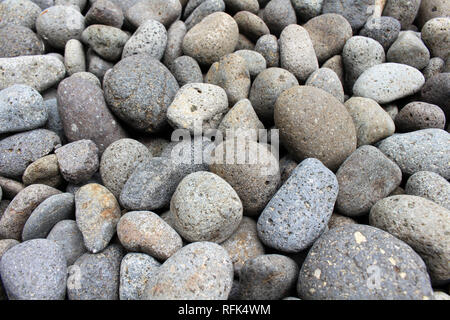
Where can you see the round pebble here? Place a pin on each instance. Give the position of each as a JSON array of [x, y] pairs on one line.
[[105, 12], [383, 29], [278, 14], [431, 186], [205, 9], [437, 91], [251, 25], [355, 12], [164, 11], [19, 41], [19, 12], [74, 58], [174, 48], [327, 80], [150, 38], [108, 42], [420, 115], [404, 11], [435, 34], [186, 70], [43, 171], [267, 46], [410, 50]]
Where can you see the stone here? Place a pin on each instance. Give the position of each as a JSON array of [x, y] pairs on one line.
[[297, 53], [435, 66], [139, 89], [88, 76], [383, 29], [431, 186], [108, 42], [150, 38], [34, 270], [242, 5], [355, 12], [207, 262], [422, 150], [47, 214], [307, 9], [327, 80], [20, 150], [186, 70], [338, 220], [437, 91], [251, 25], [97, 65], [145, 231], [255, 61], [205, 9], [10, 188], [388, 82], [432, 9], [174, 48], [97, 214], [19, 41], [422, 224], [40, 72], [67, 235], [337, 65], [404, 11], [21, 109], [164, 11], [244, 43], [43, 171], [366, 177], [267, 277], [74, 58], [299, 212], [278, 14], [211, 39], [343, 264], [323, 127], [435, 34], [105, 12], [287, 167], [420, 115], [19, 12], [267, 46], [410, 50]]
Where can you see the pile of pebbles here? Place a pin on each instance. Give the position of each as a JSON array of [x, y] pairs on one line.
[[354, 204]]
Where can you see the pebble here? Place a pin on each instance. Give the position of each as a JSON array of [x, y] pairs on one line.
[[232, 74], [206, 262], [422, 150], [145, 231], [329, 33], [242, 5], [255, 61], [20, 150], [96, 276], [287, 167], [343, 264], [307, 9], [435, 34], [154, 144], [47, 214], [404, 11], [267, 46], [105, 12], [88, 76], [21, 109], [410, 50], [388, 82], [278, 14], [74, 58], [45, 170], [244, 43], [372, 123], [337, 65], [297, 53], [174, 48], [78, 161], [186, 70], [358, 55], [139, 89], [205, 9], [430, 9], [119, 161], [251, 170], [435, 66], [164, 11], [19, 12], [197, 106], [10, 188], [267, 277], [338, 220], [150, 38], [108, 42], [34, 270], [364, 178], [40, 72], [431, 186], [59, 24], [420, 115], [251, 25], [324, 128], [383, 29], [97, 65], [136, 269], [327, 80], [19, 41], [422, 224], [67, 235], [355, 12], [44, 4], [437, 91], [243, 244], [97, 214], [299, 212]]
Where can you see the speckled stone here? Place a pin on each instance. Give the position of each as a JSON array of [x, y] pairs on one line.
[[150, 38], [34, 270], [420, 115], [388, 82], [47, 214], [20, 150], [337, 65], [431, 186], [232, 74], [435, 34], [299, 212], [267, 46], [278, 14], [435, 66], [307, 9], [186, 70], [323, 127], [383, 29], [327, 80], [251, 169], [85, 115], [244, 43], [40, 72], [21, 109], [174, 48], [67, 235], [74, 58], [297, 53], [145, 231], [242, 5], [267, 277], [164, 11], [266, 89], [364, 178], [19, 41], [255, 61], [105, 12], [423, 150], [212, 38], [206, 262], [243, 244], [287, 167], [422, 224], [139, 89], [355, 12], [97, 214], [88, 76], [437, 91], [251, 25], [10, 188], [19, 12], [338, 220], [346, 261], [97, 65], [78, 4], [59, 24], [328, 33], [108, 42], [405, 11], [96, 276], [439, 295], [205, 9], [205, 208], [198, 105], [430, 9], [136, 269], [44, 4], [372, 123], [410, 50]]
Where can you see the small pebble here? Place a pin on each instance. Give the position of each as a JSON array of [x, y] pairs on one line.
[[150, 38], [43, 171], [267, 46], [186, 70], [431, 186], [420, 115]]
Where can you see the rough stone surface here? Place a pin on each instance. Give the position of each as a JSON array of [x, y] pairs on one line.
[[431, 186], [251, 25], [267, 46], [435, 34], [19, 12], [105, 12], [355, 12], [255, 61], [19, 41], [430, 9], [278, 14], [74, 58], [410, 50], [383, 29], [437, 91], [150, 38], [164, 11], [174, 48], [186, 70], [404, 11], [108, 42], [418, 116], [205, 9], [327, 80]]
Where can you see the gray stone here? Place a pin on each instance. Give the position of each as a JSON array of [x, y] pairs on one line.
[[355, 12], [108, 42], [418, 116], [410, 50], [19, 41], [385, 30], [80, 4], [10, 187], [431, 186], [278, 14], [255, 61], [67, 235], [250, 25], [405, 11], [437, 91], [435, 34], [307, 9], [88, 76], [267, 46], [205, 9], [164, 11], [105, 12], [150, 38], [299, 212], [186, 70], [338, 220], [327, 80], [242, 5], [44, 4], [74, 58], [97, 65], [435, 66], [174, 48], [430, 9], [19, 12]]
